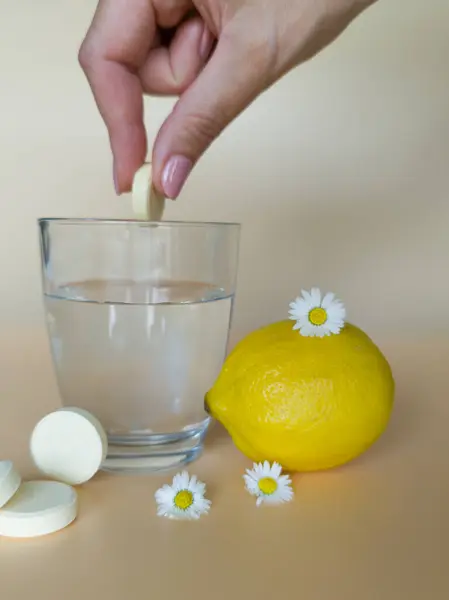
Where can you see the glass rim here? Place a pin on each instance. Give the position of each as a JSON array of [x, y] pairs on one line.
[[140, 222]]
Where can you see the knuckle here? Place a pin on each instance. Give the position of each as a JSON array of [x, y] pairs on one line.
[[262, 55], [83, 57], [201, 129], [259, 51], [86, 56]]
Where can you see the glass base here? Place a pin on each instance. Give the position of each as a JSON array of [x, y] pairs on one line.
[[154, 453]]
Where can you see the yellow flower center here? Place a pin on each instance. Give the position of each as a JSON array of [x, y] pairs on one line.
[[267, 485], [183, 499], [318, 316]]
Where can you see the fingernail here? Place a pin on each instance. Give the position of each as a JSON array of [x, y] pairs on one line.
[[117, 191], [175, 174], [206, 43]]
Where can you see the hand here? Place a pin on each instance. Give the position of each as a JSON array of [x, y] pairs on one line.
[[256, 42]]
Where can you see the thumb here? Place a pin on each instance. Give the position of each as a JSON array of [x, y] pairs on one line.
[[234, 76]]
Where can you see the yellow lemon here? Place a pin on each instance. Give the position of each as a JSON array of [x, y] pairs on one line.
[[307, 403]]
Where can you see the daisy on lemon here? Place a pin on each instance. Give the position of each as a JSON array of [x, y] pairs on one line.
[[316, 316]]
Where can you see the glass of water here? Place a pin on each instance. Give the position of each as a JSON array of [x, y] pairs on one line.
[[138, 316]]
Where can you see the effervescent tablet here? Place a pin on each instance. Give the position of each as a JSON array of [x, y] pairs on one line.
[[69, 445], [148, 203], [38, 508], [9, 481]]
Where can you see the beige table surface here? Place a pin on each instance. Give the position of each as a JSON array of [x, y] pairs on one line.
[[377, 529]]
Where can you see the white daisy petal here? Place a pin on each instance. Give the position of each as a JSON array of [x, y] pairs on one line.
[[317, 331], [269, 500], [164, 494], [197, 487], [308, 330], [303, 318], [181, 481], [186, 515], [202, 505], [192, 515], [276, 470], [302, 313], [162, 511], [336, 322], [259, 469], [301, 304], [183, 499], [328, 300], [285, 479], [251, 487], [336, 312], [306, 295], [165, 489], [294, 305], [250, 475], [200, 489], [315, 294]]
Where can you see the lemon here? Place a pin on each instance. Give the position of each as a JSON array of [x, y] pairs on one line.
[[307, 403]]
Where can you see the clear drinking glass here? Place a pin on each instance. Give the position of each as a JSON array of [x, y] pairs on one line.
[[138, 316]]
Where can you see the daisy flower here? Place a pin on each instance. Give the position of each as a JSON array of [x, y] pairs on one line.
[[316, 316], [267, 484], [183, 499]]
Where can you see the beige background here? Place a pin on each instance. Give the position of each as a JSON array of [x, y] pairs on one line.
[[339, 175], [377, 529]]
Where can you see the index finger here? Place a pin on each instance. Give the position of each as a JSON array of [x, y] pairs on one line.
[[115, 46]]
